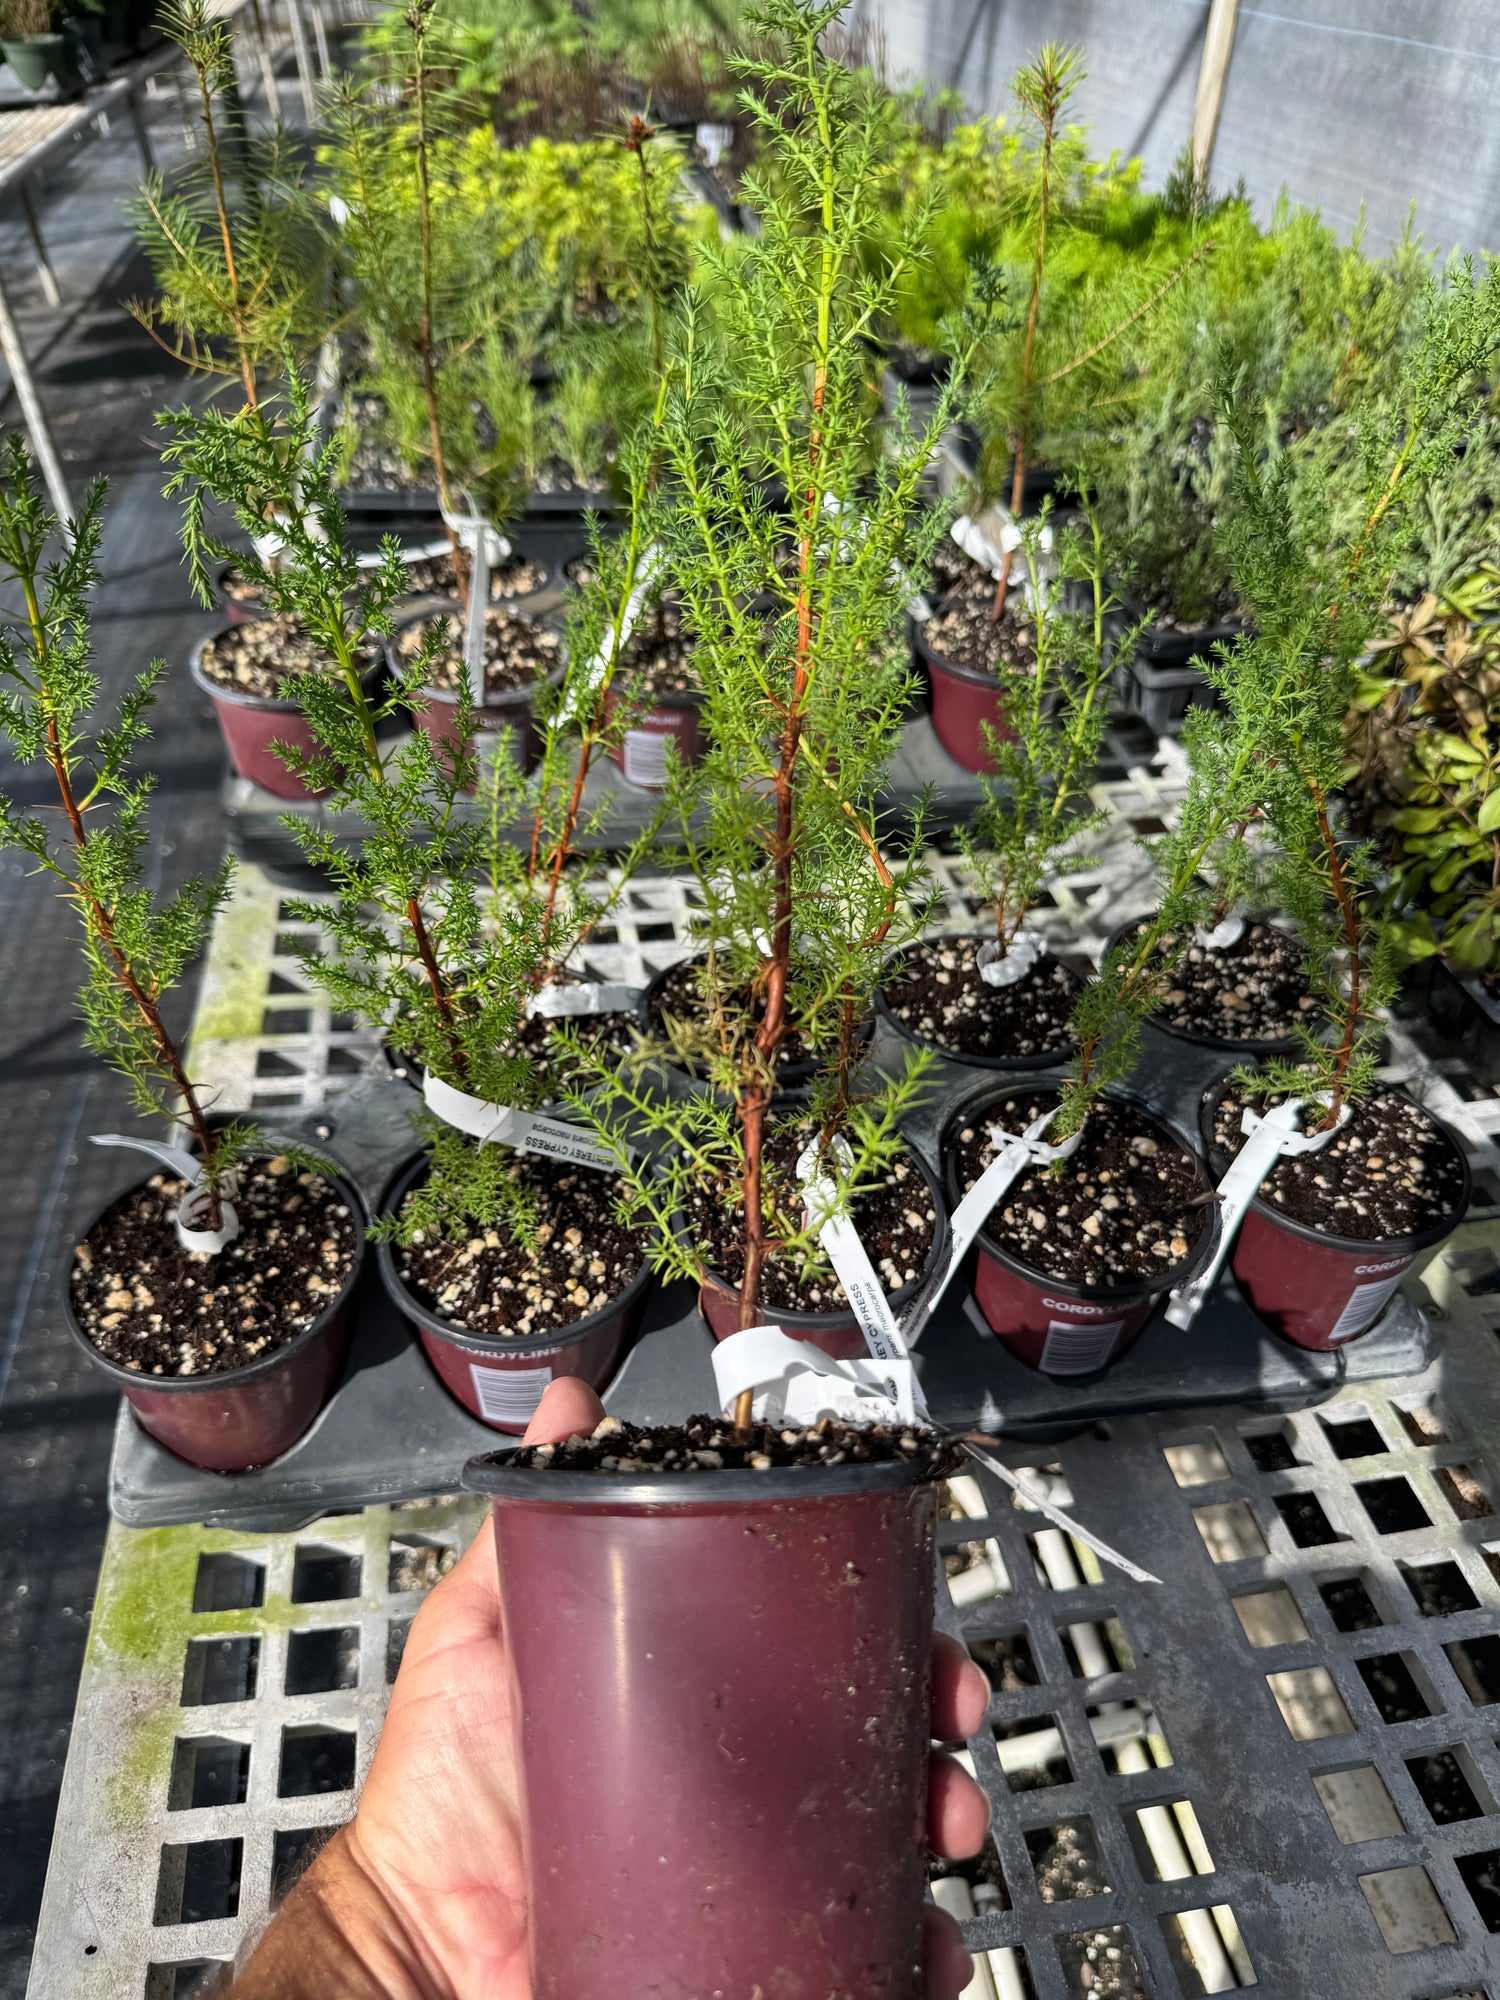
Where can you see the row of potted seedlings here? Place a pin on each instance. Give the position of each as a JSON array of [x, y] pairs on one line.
[[557, 1168]]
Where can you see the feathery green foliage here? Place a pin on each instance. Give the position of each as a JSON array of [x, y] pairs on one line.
[[136, 944], [234, 245]]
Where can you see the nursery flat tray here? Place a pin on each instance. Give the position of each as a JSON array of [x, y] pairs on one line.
[[392, 1433]]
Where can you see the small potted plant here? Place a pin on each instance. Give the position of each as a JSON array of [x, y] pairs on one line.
[[36, 51], [840, 1908], [215, 1295], [1004, 1002], [498, 1238]]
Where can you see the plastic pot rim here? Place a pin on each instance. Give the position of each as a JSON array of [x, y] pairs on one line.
[[840, 1316], [1013, 1065], [1162, 1281], [1285, 1045], [1374, 1246], [246, 1371], [496, 1474], [237, 697], [403, 1177]]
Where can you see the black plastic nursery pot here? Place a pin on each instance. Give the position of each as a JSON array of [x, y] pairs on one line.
[[790, 1076], [759, 1825], [1049, 1059], [963, 702], [500, 1379], [251, 724], [836, 1333], [1164, 677], [1283, 1046], [246, 1416], [1313, 1288], [1050, 1323]]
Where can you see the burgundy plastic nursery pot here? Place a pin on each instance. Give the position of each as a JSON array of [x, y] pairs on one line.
[[236, 610], [837, 1333], [730, 1801], [252, 723], [1050, 1059], [963, 701], [1051, 1324], [500, 1379], [1315, 1289], [438, 717], [641, 752], [251, 1415]]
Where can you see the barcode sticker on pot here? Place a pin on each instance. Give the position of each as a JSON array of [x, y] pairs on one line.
[[508, 1395], [1071, 1349], [1363, 1307], [645, 753]]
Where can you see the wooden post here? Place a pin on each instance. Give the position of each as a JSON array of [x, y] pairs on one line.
[[1213, 72]]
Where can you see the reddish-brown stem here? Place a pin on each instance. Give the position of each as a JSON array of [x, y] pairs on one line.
[[417, 21], [442, 999], [231, 268]]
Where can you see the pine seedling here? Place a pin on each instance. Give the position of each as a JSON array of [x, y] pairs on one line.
[[233, 244], [1035, 811], [803, 887], [444, 318], [136, 944]]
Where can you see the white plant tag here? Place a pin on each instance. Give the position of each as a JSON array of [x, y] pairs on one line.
[[507, 1125], [1017, 1151], [1026, 949], [554, 1002], [591, 673], [193, 1204], [1029, 1487], [797, 1383], [468, 528], [1224, 934], [841, 1245], [1267, 1138], [713, 141]]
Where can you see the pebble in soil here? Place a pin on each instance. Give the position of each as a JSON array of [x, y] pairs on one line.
[[492, 1283], [895, 1218], [432, 576], [708, 1444], [1127, 1205], [518, 652], [658, 659], [1391, 1172], [157, 1309], [260, 657], [1249, 991], [935, 989], [961, 630], [681, 997]]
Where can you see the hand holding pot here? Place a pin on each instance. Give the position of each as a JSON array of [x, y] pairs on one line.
[[422, 1896]]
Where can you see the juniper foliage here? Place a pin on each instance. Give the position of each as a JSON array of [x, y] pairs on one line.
[[136, 944]]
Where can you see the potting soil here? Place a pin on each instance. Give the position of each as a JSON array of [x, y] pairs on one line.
[[961, 630], [1127, 1205], [681, 995], [1249, 991], [935, 989], [491, 1282], [708, 1444], [1391, 1172], [153, 1307], [260, 657], [895, 1219], [518, 652]]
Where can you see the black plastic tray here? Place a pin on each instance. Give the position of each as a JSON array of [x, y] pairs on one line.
[[392, 1432]]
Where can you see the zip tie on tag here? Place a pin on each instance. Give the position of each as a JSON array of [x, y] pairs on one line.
[[840, 1243], [1268, 1138], [1025, 950], [508, 1125], [1018, 1483], [554, 1002], [468, 528], [194, 1202], [1016, 1152], [797, 1383]]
